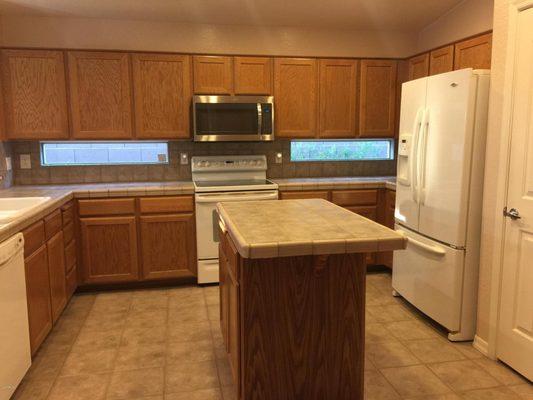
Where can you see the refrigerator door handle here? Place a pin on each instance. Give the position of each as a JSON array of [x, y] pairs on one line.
[[414, 155], [437, 250], [421, 162]]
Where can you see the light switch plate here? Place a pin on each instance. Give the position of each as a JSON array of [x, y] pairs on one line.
[[25, 161], [9, 166], [184, 158]]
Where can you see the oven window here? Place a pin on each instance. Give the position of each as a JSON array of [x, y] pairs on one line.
[[226, 119]]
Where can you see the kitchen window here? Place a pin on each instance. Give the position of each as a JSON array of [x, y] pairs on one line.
[[103, 153], [342, 150]]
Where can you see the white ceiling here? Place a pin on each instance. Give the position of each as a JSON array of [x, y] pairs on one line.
[[402, 15]]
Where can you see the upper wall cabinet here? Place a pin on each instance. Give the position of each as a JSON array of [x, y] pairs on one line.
[[162, 93], [100, 95], [418, 66], [338, 94], [34, 94], [296, 95], [213, 75], [377, 99], [441, 60], [253, 75], [474, 53]]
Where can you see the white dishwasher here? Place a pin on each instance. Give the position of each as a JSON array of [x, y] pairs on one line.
[[15, 354]]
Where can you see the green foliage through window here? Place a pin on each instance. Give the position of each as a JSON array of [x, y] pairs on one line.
[[342, 150]]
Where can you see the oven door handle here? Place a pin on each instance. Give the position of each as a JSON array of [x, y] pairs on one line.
[[218, 199]]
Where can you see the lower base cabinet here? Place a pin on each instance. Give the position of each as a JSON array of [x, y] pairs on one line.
[[57, 271]]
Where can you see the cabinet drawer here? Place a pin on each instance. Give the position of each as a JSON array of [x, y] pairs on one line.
[[33, 238], [70, 255], [52, 224], [365, 211], [354, 197], [106, 207], [68, 233], [67, 212], [310, 194], [167, 204]]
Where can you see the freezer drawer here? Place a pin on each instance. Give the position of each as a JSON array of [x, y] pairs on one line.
[[429, 275]]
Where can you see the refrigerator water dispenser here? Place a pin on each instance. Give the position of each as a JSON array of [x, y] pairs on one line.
[[404, 153]]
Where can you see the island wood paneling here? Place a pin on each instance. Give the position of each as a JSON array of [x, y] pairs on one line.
[[474, 53], [441, 60], [296, 97], [34, 89], [100, 95], [337, 100], [213, 74], [253, 75], [162, 93], [418, 66]]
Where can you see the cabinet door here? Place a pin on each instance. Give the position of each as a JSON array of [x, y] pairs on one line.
[[213, 75], [100, 95], [418, 66], [296, 97], [56, 268], [162, 92], [474, 53], [168, 246], [338, 94], [441, 60], [253, 75], [38, 296], [390, 202], [233, 327], [109, 246], [377, 98], [34, 94]]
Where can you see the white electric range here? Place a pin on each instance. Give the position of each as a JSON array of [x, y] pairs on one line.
[[223, 179]]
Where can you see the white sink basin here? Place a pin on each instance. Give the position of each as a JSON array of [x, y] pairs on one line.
[[13, 207]]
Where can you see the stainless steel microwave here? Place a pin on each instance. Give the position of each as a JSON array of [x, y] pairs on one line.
[[233, 118]]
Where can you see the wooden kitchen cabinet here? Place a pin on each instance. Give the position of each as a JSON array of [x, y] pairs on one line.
[[38, 297], [56, 268], [337, 100], [303, 194], [213, 74], [109, 249], [418, 66], [390, 204], [162, 93], [253, 75], [100, 95], [441, 60], [474, 53], [377, 98], [34, 90], [168, 244], [296, 97]]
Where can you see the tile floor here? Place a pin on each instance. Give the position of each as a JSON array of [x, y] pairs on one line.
[[166, 345]]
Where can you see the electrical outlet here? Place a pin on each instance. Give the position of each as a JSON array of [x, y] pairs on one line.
[[184, 158], [25, 161], [279, 158], [9, 166]]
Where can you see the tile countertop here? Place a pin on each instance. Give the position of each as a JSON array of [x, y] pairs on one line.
[[280, 228], [361, 182], [60, 194]]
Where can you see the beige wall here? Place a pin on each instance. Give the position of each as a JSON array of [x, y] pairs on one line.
[[164, 36], [466, 19]]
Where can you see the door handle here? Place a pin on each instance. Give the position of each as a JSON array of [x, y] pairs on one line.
[[513, 213]]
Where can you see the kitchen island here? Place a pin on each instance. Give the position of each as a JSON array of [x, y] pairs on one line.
[[292, 287]]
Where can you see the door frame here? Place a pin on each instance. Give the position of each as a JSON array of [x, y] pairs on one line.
[[500, 191]]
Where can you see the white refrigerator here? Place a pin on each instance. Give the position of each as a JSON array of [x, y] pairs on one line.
[[438, 196]]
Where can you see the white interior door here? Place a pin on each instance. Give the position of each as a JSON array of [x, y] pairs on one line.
[[515, 334], [412, 108], [446, 144]]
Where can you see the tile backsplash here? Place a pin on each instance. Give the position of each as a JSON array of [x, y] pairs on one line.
[[6, 176], [39, 174]]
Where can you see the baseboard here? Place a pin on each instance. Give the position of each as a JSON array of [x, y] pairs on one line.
[[481, 345]]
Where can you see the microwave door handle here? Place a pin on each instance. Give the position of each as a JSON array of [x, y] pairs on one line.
[[259, 119]]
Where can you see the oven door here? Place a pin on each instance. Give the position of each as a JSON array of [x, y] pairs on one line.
[[207, 217]]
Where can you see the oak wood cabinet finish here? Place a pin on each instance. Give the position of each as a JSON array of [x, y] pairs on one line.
[[38, 297], [377, 98], [100, 95], [35, 97], [213, 74], [168, 246], [253, 75], [166, 204], [359, 197], [474, 53], [52, 223], [72, 281], [441, 60], [418, 66], [33, 237], [70, 255], [311, 194], [390, 203], [337, 100], [109, 249], [56, 268], [162, 93], [93, 207], [296, 97]]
